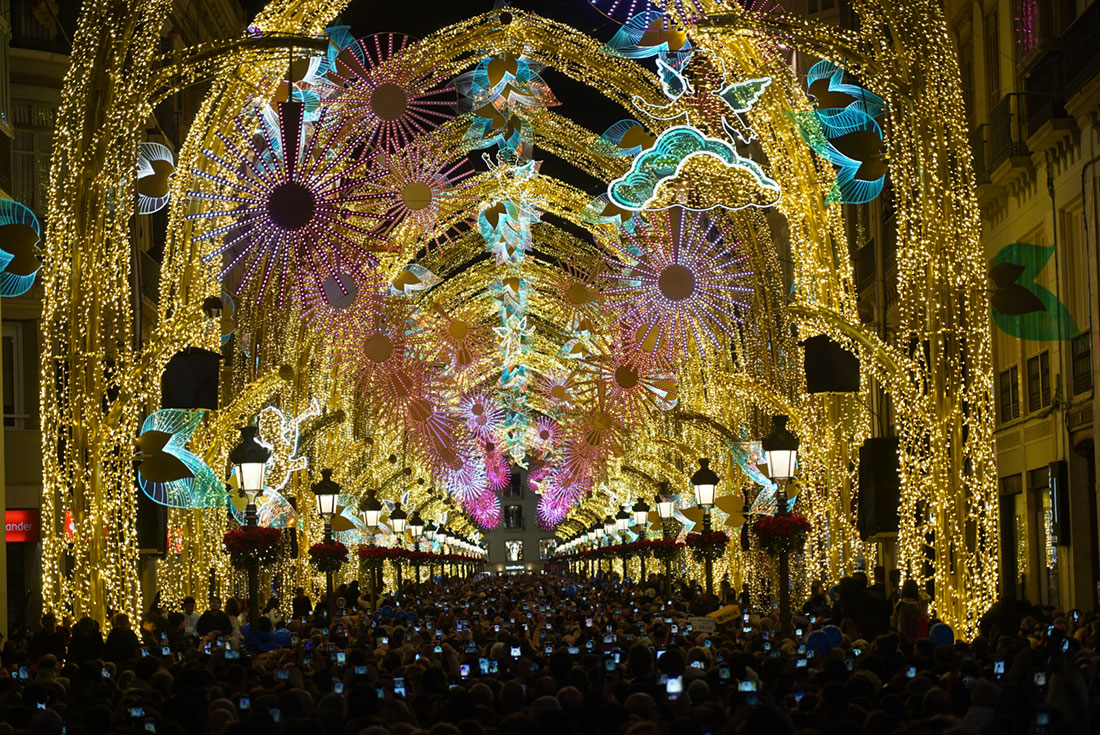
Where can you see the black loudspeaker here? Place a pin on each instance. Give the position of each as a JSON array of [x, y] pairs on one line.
[[829, 367], [879, 486], [191, 380], [1059, 502], [152, 524]]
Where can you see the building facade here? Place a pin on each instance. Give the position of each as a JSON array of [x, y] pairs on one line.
[[1031, 82], [35, 40]]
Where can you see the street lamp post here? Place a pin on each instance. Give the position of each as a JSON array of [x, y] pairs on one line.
[[609, 534], [665, 509], [398, 518], [249, 460], [641, 518], [781, 453], [429, 533], [705, 480], [416, 527], [326, 493], [372, 513], [622, 522]]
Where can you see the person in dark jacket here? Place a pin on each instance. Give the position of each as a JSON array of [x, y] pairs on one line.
[[214, 620], [48, 640], [122, 643], [86, 643], [302, 605]]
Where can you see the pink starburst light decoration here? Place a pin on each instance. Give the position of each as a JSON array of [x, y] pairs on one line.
[[497, 469], [545, 433], [419, 182], [629, 382], [386, 99], [294, 212], [688, 285], [381, 355], [485, 509], [483, 414], [348, 284]]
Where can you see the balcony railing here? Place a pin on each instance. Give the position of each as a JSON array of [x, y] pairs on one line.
[[979, 148], [1081, 55], [1007, 130], [1044, 88]]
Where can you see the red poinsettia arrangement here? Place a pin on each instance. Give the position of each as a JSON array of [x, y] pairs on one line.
[[707, 545], [666, 549], [781, 533], [328, 557], [249, 546]]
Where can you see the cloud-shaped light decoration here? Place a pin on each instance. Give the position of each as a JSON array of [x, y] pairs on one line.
[[640, 187]]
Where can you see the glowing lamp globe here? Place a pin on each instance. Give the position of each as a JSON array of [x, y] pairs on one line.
[[704, 481], [326, 492], [780, 450]]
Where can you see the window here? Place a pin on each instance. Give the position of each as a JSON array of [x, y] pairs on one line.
[[1009, 392], [992, 60], [546, 547], [1012, 484], [514, 548], [513, 516], [515, 487], [1038, 381], [14, 413], [1081, 351], [811, 6]]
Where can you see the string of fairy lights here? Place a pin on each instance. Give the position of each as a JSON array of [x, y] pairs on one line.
[[419, 280]]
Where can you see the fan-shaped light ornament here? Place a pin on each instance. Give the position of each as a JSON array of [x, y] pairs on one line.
[[464, 343], [20, 233], [688, 285], [501, 93], [385, 98], [295, 220], [156, 164], [559, 389], [168, 473], [545, 433]]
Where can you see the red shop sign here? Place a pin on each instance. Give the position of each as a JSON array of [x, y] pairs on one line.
[[22, 526]]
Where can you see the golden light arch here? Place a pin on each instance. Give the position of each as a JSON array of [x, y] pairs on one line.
[[943, 391]]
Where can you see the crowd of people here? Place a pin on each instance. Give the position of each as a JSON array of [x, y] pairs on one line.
[[557, 654]]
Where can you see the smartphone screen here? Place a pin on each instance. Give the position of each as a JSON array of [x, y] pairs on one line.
[[464, 670], [399, 686], [674, 686]]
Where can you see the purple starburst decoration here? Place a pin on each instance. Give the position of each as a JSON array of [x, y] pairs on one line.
[[679, 282], [384, 96], [293, 205]]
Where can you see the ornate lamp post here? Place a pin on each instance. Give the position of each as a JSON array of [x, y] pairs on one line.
[[429, 533], [372, 513], [398, 519], [665, 509], [609, 534], [641, 518], [326, 493], [705, 480], [781, 452], [249, 460], [622, 522], [416, 528]]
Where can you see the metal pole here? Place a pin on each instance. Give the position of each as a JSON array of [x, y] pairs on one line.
[[330, 603], [708, 563], [784, 573], [251, 521]]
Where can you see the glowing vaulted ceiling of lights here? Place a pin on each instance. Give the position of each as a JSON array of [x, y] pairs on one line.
[[402, 213]]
